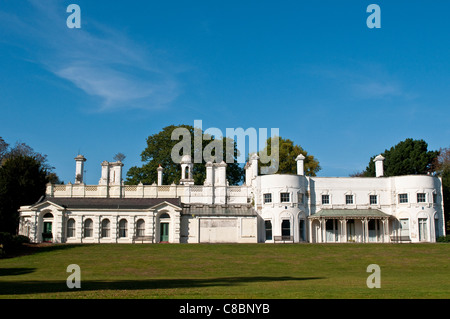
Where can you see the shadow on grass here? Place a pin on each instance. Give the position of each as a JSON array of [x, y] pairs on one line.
[[29, 249], [34, 287], [15, 271]]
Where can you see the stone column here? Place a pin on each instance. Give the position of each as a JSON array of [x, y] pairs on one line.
[[344, 230]]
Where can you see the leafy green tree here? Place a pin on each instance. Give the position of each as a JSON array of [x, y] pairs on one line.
[[3, 149], [22, 182], [409, 157], [288, 152], [159, 151], [443, 170], [22, 149]]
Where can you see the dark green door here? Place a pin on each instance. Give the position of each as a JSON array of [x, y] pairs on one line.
[[164, 232], [47, 234]]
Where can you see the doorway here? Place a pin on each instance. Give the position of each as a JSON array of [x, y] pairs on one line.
[[351, 236], [164, 233], [47, 235]]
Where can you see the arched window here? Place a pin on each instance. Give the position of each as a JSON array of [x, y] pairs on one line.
[[106, 228], [48, 215], [88, 228], [165, 215], [71, 228], [140, 228], [123, 228]]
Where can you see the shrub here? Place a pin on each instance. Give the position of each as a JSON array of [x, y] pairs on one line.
[[9, 243], [443, 239]]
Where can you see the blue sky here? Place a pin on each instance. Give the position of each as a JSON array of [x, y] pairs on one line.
[[313, 69]]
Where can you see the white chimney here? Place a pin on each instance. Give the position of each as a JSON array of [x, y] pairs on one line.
[[379, 171], [209, 181], [79, 169], [160, 175], [300, 165], [254, 165]]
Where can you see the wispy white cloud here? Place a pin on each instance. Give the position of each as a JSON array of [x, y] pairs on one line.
[[362, 81], [99, 60]]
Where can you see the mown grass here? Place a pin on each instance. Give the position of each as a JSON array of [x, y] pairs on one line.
[[229, 271]]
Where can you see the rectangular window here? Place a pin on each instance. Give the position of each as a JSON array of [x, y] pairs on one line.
[[402, 198], [423, 233], [373, 199], [284, 197], [267, 198], [325, 199], [300, 198], [421, 198], [268, 225], [349, 199], [285, 228], [434, 198]]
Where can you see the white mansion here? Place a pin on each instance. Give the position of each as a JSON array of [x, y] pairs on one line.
[[267, 208]]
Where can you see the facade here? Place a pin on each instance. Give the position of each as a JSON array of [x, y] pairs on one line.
[[275, 208]]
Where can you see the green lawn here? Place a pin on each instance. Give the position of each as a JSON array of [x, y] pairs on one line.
[[229, 271]]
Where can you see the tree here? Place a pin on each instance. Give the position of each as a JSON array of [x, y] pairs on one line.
[[159, 151], [3, 149], [22, 149], [409, 157], [287, 153], [442, 166], [23, 181]]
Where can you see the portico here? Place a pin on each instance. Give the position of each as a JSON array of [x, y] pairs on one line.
[[349, 225]]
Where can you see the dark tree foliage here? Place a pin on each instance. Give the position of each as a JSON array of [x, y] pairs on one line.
[[22, 182], [442, 165], [409, 157], [158, 152]]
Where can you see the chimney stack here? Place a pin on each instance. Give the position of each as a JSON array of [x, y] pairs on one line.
[[379, 171], [300, 164], [160, 175], [79, 169]]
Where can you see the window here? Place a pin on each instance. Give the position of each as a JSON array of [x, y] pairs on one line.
[[70, 228], [88, 228], [421, 198], [284, 197], [373, 199], [105, 228], [402, 198], [123, 228], [286, 227], [434, 198], [268, 226], [423, 227], [302, 230], [325, 199], [349, 199], [300, 198], [267, 198], [140, 228], [436, 227]]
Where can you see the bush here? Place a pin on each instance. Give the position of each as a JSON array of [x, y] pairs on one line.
[[9, 243], [443, 239], [20, 239]]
